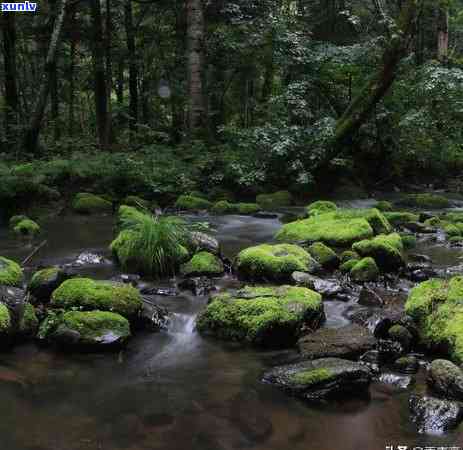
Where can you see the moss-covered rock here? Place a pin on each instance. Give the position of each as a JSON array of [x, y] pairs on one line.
[[275, 200], [365, 270], [430, 201], [330, 231], [408, 241], [192, 203], [436, 306], [137, 202], [374, 217], [274, 262], [401, 334], [453, 217], [88, 294], [85, 203], [5, 320], [14, 220], [224, 207], [320, 207], [387, 251], [203, 263], [433, 222], [27, 227], [264, 316], [28, 323], [45, 281], [11, 273], [324, 255], [348, 255], [90, 330], [398, 218], [348, 265], [384, 205], [246, 209], [452, 230]]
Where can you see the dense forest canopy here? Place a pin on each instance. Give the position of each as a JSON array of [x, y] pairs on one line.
[[201, 94]]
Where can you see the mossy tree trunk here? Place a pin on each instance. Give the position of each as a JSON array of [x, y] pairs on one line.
[[442, 30]]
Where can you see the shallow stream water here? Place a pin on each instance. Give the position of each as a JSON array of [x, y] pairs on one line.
[[175, 390]]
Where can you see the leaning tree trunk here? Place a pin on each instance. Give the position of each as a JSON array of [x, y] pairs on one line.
[[442, 30], [99, 75], [364, 103], [195, 57], [32, 133], [11, 88]]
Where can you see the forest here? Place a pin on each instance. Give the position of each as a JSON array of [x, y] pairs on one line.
[[231, 224]]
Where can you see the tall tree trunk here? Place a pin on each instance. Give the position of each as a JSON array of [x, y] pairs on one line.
[[32, 133], [133, 69], [54, 100], [442, 30], [109, 71], [364, 103], [72, 67], [195, 57], [11, 88], [99, 75]]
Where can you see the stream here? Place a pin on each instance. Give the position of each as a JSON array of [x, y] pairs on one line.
[[175, 390]]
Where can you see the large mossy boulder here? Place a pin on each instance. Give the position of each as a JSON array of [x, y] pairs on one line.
[[263, 316], [386, 250], [26, 227], [364, 270], [321, 379], [45, 281], [320, 207], [192, 203], [273, 262], [86, 330], [11, 273], [425, 201], [437, 307], [399, 218], [87, 294], [85, 203], [203, 264], [275, 200]]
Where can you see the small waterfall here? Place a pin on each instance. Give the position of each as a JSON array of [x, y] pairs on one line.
[[181, 323]]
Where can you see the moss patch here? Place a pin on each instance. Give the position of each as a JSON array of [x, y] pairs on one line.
[[192, 203], [203, 263], [275, 200], [273, 262], [5, 319], [11, 273], [311, 377], [365, 270], [326, 257], [27, 227], [85, 203], [88, 294], [320, 207], [224, 207], [384, 205], [398, 218], [14, 220], [269, 316], [29, 322], [246, 209]]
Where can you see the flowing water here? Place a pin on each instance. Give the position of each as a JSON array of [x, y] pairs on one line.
[[174, 390]]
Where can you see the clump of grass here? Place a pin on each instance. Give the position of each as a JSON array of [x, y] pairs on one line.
[[151, 245]]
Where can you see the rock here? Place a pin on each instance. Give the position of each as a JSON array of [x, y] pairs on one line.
[[409, 241], [406, 364], [365, 270], [320, 207], [401, 335], [262, 316], [11, 273], [88, 294], [86, 203], [127, 278], [247, 209], [368, 297], [162, 291], [384, 205], [386, 250], [389, 350], [348, 342], [434, 416], [422, 274], [153, 317], [275, 200], [426, 201], [398, 219], [92, 330], [398, 381], [424, 216], [45, 281], [199, 286], [203, 264], [192, 203], [321, 379], [274, 262], [27, 227], [204, 242], [326, 288], [417, 227], [223, 207], [446, 379], [326, 257], [420, 258]]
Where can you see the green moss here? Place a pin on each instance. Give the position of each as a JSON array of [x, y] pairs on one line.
[[273, 262], [29, 321], [454, 217], [455, 239], [42, 277], [398, 218], [384, 205], [275, 200], [311, 377], [433, 222], [191, 203], [203, 263], [375, 218], [365, 270], [137, 202], [88, 294], [27, 227], [272, 316], [320, 207], [430, 201], [246, 209], [348, 265], [348, 255], [324, 255], [400, 334], [14, 220], [5, 319], [408, 241], [93, 324], [11, 273], [385, 249], [224, 207], [86, 203], [452, 230]]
